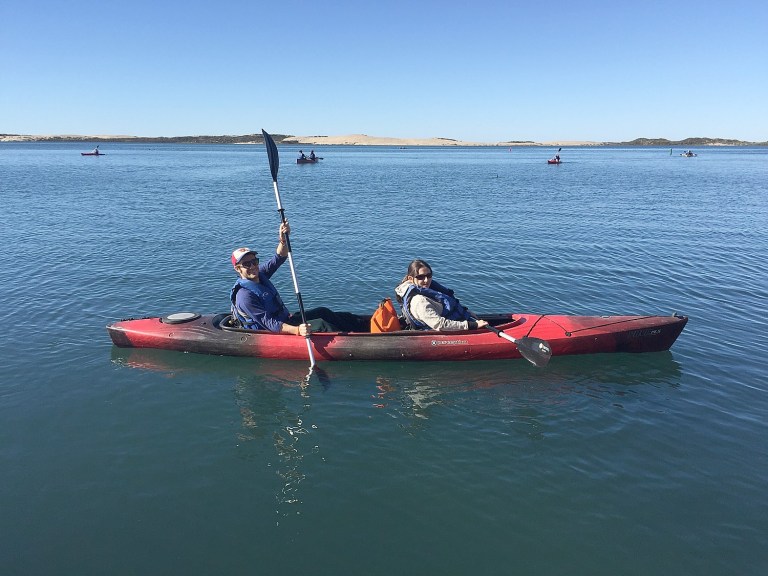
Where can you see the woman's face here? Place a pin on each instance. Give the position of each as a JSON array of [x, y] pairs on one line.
[[423, 277]]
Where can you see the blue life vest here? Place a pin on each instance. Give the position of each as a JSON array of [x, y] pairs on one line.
[[268, 299], [452, 308]]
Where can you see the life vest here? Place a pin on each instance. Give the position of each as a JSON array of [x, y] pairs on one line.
[[267, 295], [452, 308]]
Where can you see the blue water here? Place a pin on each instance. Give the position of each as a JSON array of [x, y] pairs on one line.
[[127, 462]]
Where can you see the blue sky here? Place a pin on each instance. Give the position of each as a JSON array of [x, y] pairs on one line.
[[487, 71]]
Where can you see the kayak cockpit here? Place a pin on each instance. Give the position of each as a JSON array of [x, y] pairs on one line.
[[228, 323]]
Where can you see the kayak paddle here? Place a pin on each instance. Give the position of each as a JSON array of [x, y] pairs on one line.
[[274, 164], [535, 350]]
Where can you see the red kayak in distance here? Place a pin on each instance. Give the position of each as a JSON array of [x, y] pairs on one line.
[[553, 161], [566, 335]]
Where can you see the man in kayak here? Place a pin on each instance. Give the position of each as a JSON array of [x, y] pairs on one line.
[[257, 305], [302, 155], [312, 155], [427, 305]]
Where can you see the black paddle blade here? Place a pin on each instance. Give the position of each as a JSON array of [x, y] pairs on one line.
[[274, 158], [535, 350]]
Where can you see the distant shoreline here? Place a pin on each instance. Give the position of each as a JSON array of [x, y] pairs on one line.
[[365, 140]]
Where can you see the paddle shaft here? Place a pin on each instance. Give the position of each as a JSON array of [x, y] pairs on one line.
[[281, 211], [501, 334], [274, 164], [536, 351]]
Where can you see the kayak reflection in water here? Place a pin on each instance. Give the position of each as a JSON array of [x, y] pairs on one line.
[[256, 303], [427, 305]]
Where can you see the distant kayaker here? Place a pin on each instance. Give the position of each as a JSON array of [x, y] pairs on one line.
[[427, 305], [96, 151], [302, 155], [256, 303], [312, 155]]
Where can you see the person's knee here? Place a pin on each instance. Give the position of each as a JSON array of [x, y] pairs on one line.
[[321, 325], [321, 313]]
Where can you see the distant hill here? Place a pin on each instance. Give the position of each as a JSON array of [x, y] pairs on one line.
[[258, 139], [688, 142], [246, 139]]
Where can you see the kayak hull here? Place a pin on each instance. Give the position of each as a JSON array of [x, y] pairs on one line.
[[306, 161], [553, 161], [91, 154], [566, 335]]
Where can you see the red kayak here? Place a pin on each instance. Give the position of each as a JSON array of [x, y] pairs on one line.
[[553, 161], [211, 334]]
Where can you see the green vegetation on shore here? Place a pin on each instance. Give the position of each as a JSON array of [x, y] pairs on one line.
[[245, 139], [687, 142]]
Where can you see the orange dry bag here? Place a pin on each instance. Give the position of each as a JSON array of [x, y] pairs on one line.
[[385, 318]]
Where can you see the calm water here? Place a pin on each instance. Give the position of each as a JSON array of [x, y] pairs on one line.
[[148, 462]]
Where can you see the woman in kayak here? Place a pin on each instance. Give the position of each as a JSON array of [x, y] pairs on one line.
[[256, 303], [427, 305]]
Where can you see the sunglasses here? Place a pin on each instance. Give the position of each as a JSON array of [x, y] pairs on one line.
[[423, 276], [249, 263]]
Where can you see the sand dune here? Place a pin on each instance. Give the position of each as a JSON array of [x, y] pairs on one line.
[[347, 140], [365, 140]]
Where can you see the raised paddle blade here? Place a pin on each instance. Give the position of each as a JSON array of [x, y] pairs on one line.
[[274, 158], [535, 350]]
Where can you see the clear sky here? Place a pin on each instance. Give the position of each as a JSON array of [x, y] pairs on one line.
[[483, 71]]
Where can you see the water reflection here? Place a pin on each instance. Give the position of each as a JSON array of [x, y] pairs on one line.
[[424, 383], [420, 386], [475, 401], [278, 409], [273, 400], [516, 398]]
